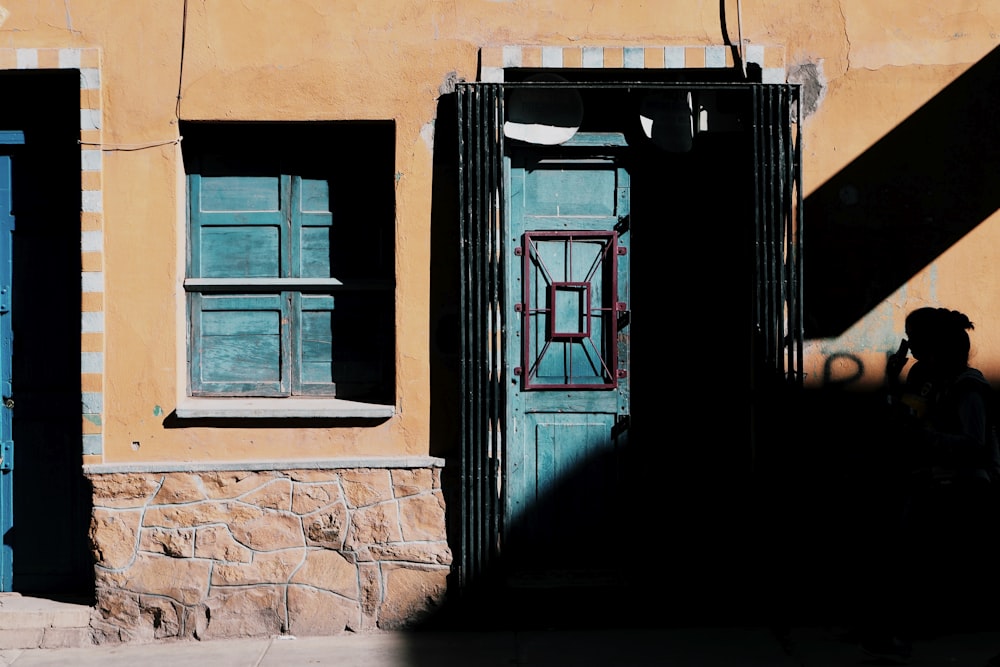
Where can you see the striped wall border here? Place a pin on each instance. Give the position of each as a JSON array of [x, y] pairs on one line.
[[494, 59], [88, 62]]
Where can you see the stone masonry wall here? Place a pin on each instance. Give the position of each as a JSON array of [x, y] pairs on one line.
[[221, 554]]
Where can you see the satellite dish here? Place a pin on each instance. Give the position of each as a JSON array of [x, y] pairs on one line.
[[667, 119], [547, 116]]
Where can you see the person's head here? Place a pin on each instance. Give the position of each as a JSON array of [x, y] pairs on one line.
[[939, 336]]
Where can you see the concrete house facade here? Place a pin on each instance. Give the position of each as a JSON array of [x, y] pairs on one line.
[[317, 316]]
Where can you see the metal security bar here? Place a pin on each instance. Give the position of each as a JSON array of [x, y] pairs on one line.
[[481, 193], [778, 320]]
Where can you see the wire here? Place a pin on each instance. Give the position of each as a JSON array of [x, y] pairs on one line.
[[131, 147], [739, 23], [180, 72]]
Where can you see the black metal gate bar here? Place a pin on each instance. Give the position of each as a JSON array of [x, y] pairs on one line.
[[480, 108], [793, 234], [778, 321]]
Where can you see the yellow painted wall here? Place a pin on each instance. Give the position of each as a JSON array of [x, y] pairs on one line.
[[387, 60]]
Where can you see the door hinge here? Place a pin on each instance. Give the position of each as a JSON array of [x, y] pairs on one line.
[[7, 455], [4, 299]]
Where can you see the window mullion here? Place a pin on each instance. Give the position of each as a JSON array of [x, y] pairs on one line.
[[289, 300], [290, 337], [290, 220]]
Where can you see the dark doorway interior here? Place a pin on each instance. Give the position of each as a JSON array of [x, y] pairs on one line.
[[51, 498]]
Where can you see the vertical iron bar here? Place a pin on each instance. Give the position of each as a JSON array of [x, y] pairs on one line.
[[758, 273], [478, 323], [777, 208], [465, 215], [499, 259], [770, 246], [798, 291]]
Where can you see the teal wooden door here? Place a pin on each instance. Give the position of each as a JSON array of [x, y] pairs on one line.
[[6, 338], [567, 344]]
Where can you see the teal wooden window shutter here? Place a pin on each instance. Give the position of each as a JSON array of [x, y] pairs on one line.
[[285, 297]]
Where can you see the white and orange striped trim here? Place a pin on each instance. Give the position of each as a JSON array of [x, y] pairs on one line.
[[495, 59]]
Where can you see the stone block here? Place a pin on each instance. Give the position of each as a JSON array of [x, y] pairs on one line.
[[244, 612], [200, 514], [330, 571], [272, 567], [366, 487], [122, 489], [308, 498], [377, 524], [180, 488], [217, 543], [21, 638], [422, 517], [408, 482], [113, 536], [316, 613], [411, 595], [234, 483], [173, 542], [66, 638], [182, 579], [328, 527], [275, 495], [270, 531]]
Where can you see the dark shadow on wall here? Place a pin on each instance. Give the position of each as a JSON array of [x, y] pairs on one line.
[[903, 202], [711, 530], [445, 292]]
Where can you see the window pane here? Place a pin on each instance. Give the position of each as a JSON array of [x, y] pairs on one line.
[[240, 347], [244, 193], [240, 252], [239, 340], [315, 195], [315, 252], [560, 190], [317, 339]]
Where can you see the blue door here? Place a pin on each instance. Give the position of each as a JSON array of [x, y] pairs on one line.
[[7, 139], [568, 350]]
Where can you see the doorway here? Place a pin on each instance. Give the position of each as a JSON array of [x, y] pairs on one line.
[[48, 510], [620, 285]]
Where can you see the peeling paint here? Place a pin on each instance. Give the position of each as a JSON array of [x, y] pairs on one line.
[[810, 75], [448, 85], [427, 134], [4, 13], [93, 419], [157, 411]]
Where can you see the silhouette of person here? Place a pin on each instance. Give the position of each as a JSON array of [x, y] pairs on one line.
[[935, 561]]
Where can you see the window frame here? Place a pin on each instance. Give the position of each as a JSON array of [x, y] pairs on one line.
[[292, 296]]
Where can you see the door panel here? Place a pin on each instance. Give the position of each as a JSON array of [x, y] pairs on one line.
[[6, 443], [567, 304]]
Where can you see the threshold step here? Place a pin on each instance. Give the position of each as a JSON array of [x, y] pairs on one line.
[[35, 622]]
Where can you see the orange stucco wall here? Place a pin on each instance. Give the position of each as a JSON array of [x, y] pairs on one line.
[[387, 60]]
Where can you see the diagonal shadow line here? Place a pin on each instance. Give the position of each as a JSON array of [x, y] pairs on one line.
[[903, 202]]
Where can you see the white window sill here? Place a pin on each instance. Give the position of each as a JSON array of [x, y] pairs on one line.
[[250, 408]]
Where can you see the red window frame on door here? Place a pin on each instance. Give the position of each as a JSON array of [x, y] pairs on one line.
[[606, 270]]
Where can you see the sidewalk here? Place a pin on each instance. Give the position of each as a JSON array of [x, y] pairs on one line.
[[688, 647]]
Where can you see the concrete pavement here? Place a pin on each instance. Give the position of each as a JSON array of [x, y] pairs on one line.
[[670, 647]]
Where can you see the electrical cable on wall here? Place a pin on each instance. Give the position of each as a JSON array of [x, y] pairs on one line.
[[130, 147], [180, 72], [177, 106], [739, 24]]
